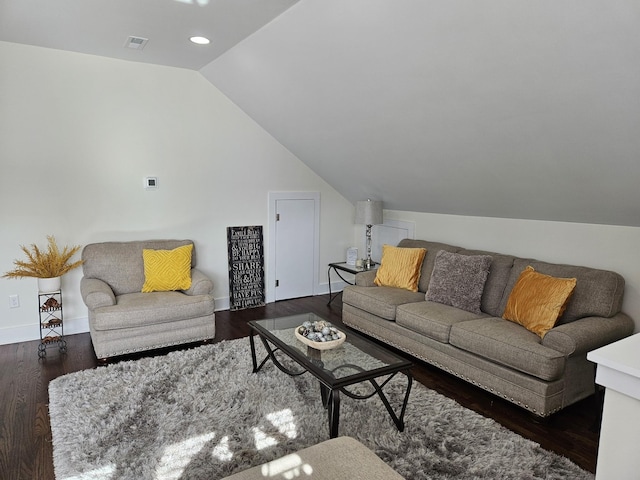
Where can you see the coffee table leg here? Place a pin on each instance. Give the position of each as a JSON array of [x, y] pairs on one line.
[[270, 355], [398, 420], [254, 357], [253, 353], [333, 405], [324, 393]]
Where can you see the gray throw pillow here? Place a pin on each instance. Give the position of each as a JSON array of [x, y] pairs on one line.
[[458, 280]]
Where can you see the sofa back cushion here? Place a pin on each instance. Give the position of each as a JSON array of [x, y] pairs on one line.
[[494, 287], [120, 264], [597, 292]]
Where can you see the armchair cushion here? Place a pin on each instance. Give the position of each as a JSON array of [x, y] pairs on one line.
[[167, 270], [145, 310]]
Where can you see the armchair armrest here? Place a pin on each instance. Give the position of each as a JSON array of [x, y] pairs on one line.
[[365, 279], [588, 333], [96, 293], [200, 284]]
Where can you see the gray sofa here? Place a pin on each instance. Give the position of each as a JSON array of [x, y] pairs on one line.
[[542, 375], [123, 320]]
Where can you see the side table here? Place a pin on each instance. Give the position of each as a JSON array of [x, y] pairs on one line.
[[338, 267]]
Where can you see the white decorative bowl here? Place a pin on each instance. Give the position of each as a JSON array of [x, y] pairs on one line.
[[322, 345]]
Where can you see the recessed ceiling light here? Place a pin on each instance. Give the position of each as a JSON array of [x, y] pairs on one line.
[[200, 40]]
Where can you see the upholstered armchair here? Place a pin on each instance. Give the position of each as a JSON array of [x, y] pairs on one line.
[[143, 295]]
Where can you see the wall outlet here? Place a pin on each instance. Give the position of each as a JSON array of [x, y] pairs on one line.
[[14, 301]]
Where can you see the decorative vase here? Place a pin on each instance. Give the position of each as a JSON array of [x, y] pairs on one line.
[[49, 284]]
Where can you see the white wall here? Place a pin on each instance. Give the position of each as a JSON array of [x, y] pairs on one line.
[[78, 134], [599, 246]]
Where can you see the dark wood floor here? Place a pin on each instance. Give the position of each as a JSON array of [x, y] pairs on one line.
[[25, 434]]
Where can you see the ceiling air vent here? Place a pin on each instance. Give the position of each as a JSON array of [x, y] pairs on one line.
[[137, 43]]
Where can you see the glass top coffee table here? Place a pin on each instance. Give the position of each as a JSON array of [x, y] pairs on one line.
[[356, 360]]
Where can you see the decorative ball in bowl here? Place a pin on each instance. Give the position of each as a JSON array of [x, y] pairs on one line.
[[320, 335]]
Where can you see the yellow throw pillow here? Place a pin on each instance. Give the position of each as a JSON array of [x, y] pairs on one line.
[[537, 300], [166, 270], [400, 267]]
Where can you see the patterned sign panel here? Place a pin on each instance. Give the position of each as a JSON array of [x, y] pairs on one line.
[[246, 267]]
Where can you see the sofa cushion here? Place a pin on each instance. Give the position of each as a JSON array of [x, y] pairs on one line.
[[509, 344], [400, 267], [429, 259], [494, 287], [431, 319], [537, 300], [380, 301], [458, 280], [167, 270], [140, 309], [598, 293]]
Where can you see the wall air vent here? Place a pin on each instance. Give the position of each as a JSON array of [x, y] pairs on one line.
[[137, 43]]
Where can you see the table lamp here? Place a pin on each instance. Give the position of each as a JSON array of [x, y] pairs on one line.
[[369, 213]]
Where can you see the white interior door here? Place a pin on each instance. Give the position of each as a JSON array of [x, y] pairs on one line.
[[295, 248]]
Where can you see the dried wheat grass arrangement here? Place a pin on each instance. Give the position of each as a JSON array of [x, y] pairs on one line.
[[45, 263]]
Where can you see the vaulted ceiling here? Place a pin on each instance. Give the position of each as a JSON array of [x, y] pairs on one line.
[[102, 27], [503, 108]]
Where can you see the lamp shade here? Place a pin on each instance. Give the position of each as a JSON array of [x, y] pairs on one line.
[[369, 212]]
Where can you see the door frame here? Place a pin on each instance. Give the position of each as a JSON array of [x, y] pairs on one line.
[[271, 261]]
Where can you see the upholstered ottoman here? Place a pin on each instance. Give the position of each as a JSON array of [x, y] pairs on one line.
[[342, 457]]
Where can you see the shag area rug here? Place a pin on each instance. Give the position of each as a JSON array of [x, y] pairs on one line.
[[202, 414]]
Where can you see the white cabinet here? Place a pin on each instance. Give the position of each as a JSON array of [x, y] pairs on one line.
[[619, 372]]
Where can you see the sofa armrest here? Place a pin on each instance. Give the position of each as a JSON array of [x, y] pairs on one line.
[[200, 284], [96, 293], [588, 333], [365, 279]]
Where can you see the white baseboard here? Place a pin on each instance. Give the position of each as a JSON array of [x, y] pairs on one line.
[[336, 286], [222, 303]]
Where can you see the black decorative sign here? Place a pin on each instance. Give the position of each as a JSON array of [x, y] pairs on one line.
[[246, 267]]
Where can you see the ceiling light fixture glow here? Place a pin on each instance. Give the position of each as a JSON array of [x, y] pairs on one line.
[[200, 40]]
